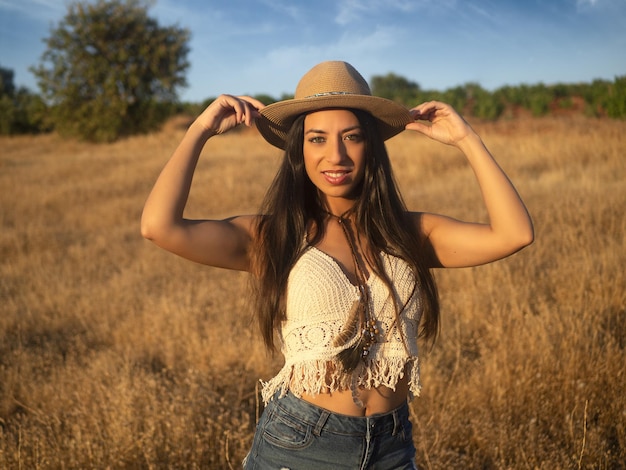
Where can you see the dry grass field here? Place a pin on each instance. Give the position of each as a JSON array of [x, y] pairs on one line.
[[115, 354]]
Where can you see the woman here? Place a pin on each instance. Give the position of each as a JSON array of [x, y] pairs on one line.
[[342, 268]]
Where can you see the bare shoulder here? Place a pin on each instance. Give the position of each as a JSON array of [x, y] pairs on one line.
[[229, 241], [425, 222], [426, 225], [246, 223]]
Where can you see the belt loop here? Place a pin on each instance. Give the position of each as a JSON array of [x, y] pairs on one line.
[[317, 430], [396, 422]]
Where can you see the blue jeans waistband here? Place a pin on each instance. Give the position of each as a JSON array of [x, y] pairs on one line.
[[331, 422]]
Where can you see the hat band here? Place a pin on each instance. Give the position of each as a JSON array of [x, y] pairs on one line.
[[330, 93]]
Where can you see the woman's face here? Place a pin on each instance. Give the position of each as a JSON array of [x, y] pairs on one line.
[[334, 153]]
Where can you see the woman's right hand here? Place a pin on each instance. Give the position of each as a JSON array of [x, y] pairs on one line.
[[222, 243], [227, 112]]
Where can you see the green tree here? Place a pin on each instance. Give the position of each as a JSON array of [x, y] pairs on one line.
[[487, 105], [616, 100], [396, 88], [538, 99], [110, 70], [513, 95], [20, 110], [265, 98], [456, 97], [7, 106], [7, 87], [596, 97]]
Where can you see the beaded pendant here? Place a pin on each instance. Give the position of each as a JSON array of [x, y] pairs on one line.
[[370, 335], [359, 321]]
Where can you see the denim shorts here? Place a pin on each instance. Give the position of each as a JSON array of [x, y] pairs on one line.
[[293, 434]]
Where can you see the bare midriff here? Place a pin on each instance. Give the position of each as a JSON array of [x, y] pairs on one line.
[[374, 400]]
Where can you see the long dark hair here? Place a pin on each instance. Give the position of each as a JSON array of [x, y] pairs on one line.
[[292, 205]]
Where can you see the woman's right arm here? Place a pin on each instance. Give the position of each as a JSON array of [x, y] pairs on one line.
[[220, 243]]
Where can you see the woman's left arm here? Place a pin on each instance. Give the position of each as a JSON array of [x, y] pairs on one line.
[[461, 244]]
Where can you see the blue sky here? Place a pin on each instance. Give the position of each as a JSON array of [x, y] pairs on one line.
[[265, 46]]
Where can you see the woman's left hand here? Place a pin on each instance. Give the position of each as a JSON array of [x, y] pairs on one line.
[[446, 125], [462, 244]]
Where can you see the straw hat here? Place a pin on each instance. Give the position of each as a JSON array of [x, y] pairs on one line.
[[332, 84]]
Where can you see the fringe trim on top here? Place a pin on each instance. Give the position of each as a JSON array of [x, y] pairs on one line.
[[326, 376]]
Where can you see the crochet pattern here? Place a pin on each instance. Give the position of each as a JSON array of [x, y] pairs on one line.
[[319, 298]]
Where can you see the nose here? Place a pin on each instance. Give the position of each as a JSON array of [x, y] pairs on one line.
[[337, 153]]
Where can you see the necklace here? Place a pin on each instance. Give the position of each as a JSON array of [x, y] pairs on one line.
[[360, 328]]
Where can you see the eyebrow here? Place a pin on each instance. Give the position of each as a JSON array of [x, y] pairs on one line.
[[320, 131]]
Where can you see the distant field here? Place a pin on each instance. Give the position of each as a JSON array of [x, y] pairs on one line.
[[115, 354]]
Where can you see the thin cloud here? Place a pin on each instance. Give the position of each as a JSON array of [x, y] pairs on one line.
[[283, 66], [356, 44], [484, 13], [350, 11], [586, 6], [37, 10], [285, 8], [349, 46]]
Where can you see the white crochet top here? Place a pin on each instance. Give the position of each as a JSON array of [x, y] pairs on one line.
[[319, 298]]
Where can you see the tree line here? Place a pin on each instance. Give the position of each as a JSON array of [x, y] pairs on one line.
[[601, 98], [110, 70]]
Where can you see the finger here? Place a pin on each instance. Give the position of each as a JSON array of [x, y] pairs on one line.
[[425, 111], [228, 105], [421, 115], [253, 101], [423, 107], [251, 109], [250, 113], [419, 127], [415, 113], [238, 107]]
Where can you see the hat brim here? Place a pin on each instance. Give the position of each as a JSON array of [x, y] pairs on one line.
[[276, 119]]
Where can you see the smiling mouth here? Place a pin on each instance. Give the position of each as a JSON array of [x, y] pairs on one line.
[[336, 177], [335, 174]]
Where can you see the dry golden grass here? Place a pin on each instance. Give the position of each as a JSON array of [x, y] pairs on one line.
[[114, 354]]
